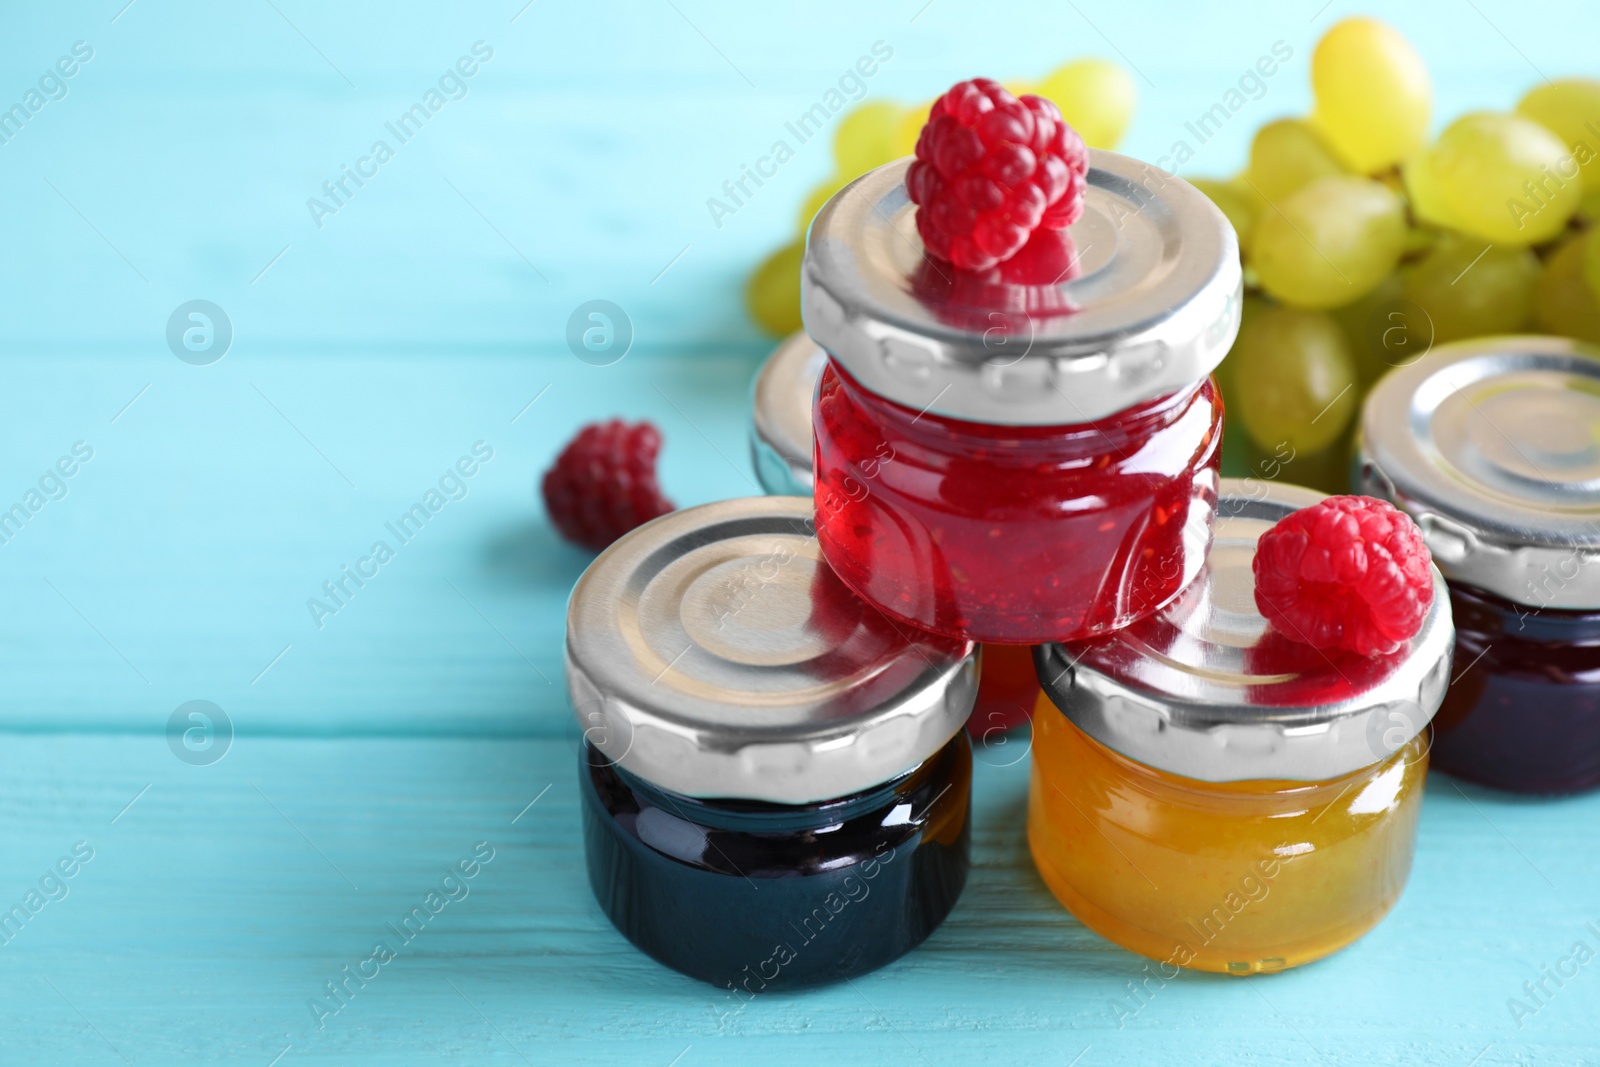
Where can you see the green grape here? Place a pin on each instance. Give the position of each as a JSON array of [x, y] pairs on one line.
[[1384, 330], [1570, 109], [1286, 156], [909, 128], [1236, 450], [1591, 265], [1422, 189], [1330, 243], [1505, 178], [772, 294], [1235, 202], [865, 137], [1250, 308], [1470, 289], [1420, 239], [1589, 206], [1294, 380], [1371, 94], [1564, 304], [814, 200], [1095, 96]]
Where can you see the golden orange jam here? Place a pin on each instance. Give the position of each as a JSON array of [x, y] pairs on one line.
[[1234, 877]]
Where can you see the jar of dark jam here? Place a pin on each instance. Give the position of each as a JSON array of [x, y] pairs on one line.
[[1215, 796], [1026, 454], [775, 781], [780, 450], [1493, 447]]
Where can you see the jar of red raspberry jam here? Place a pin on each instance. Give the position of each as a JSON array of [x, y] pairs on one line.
[[1020, 457], [1493, 447], [775, 783], [781, 449], [1214, 796]]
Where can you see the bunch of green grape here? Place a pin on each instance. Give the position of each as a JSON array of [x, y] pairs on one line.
[[1365, 245], [1096, 96]]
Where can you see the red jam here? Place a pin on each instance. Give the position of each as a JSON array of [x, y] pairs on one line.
[[1523, 713], [1008, 689], [1015, 534]]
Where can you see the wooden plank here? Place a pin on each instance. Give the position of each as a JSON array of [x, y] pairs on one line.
[[218, 904], [180, 562]]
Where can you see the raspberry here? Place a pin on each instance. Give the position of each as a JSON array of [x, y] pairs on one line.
[[990, 170], [604, 483], [1349, 572]]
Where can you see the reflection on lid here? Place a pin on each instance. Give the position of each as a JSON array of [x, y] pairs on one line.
[[1008, 296], [1211, 644]]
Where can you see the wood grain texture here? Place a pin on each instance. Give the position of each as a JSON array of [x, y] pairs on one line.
[[369, 354], [182, 558], [219, 904]]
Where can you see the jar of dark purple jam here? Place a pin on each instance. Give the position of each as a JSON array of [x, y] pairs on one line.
[[775, 781], [1493, 447]]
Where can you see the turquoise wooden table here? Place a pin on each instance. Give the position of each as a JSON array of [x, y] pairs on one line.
[[376, 334]]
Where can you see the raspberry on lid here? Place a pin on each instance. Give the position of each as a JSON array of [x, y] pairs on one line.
[[1348, 572], [1208, 688], [990, 170]]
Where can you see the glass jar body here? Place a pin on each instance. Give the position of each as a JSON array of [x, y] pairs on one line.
[[1008, 689], [1014, 534], [1524, 713], [752, 896], [1233, 877]]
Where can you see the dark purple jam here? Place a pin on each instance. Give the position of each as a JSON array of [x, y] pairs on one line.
[[1523, 713], [754, 896]]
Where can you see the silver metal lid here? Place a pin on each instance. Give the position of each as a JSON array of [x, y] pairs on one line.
[[1151, 306], [1493, 447], [1207, 690], [712, 653], [780, 436]]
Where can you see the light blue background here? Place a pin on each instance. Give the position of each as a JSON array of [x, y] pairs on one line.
[[423, 317]]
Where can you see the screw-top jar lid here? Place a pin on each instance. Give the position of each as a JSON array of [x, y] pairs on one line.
[[713, 653], [780, 436], [1493, 447], [1205, 689], [1151, 304]]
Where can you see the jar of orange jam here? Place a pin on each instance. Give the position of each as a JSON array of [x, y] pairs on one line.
[[1212, 795]]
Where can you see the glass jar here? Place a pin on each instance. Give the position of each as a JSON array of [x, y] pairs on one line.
[[1051, 531], [775, 784], [1213, 796], [780, 416], [1011, 461], [1493, 447], [1524, 714], [781, 450]]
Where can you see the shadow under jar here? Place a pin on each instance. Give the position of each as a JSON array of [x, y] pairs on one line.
[[1021, 455], [1213, 796], [781, 449], [775, 783], [1493, 447]]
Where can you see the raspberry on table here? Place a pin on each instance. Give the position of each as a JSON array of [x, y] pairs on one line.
[[604, 484], [990, 170], [1349, 572]]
